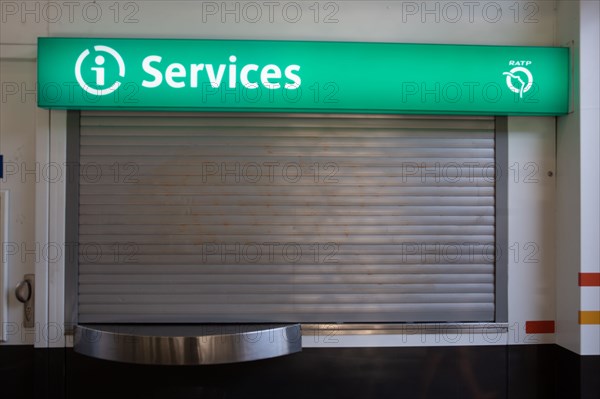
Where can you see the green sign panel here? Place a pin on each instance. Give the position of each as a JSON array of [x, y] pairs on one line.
[[293, 76]]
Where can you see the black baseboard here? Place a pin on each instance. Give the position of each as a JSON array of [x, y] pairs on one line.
[[17, 371], [511, 372]]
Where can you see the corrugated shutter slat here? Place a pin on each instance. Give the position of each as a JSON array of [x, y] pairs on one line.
[[194, 218]]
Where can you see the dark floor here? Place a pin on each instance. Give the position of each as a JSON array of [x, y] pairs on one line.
[[528, 372]]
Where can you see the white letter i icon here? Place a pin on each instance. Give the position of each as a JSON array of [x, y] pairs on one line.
[[99, 71]]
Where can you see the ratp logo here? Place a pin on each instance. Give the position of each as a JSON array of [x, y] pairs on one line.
[[522, 76], [92, 76]]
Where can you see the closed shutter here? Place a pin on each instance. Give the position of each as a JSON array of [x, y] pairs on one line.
[[194, 218]]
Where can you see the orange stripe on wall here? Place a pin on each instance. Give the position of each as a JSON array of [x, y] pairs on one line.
[[539, 327], [589, 279], [589, 317]]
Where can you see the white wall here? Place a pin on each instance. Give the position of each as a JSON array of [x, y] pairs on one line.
[[487, 22], [17, 144], [590, 167], [578, 181], [568, 193], [531, 226]]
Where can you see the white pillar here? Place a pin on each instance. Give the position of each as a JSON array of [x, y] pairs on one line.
[[578, 180]]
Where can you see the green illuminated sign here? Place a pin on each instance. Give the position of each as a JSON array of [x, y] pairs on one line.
[[288, 76]]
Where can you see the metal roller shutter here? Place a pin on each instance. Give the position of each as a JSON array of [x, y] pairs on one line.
[[279, 218]]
